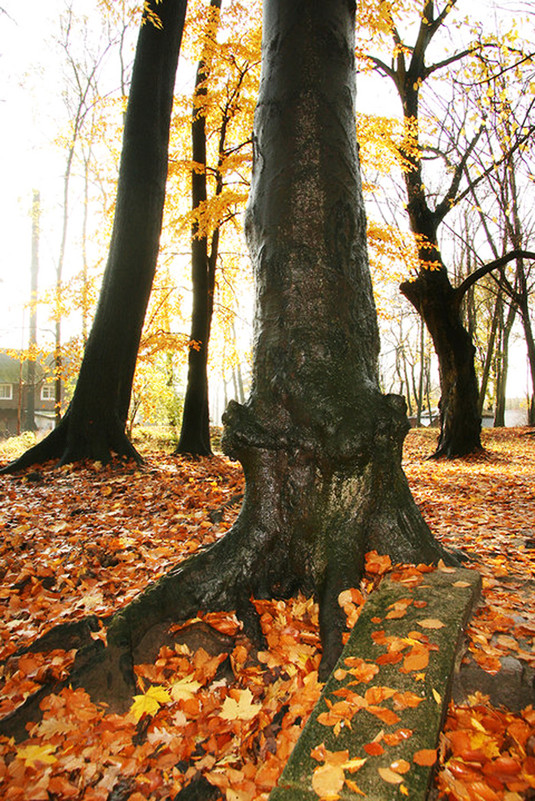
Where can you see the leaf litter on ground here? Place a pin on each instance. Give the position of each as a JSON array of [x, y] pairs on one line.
[[84, 540]]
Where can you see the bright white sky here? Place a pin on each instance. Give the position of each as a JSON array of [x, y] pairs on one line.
[[31, 113]]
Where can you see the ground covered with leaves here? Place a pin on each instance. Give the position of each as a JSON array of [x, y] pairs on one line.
[[84, 540]]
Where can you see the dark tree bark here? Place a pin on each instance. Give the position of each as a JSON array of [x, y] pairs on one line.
[[439, 305], [319, 443], [431, 292], [94, 424], [195, 430]]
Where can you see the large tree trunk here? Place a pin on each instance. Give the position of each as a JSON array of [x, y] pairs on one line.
[[320, 445], [94, 424], [438, 303]]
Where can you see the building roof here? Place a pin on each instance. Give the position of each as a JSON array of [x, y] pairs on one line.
[[10, 369]]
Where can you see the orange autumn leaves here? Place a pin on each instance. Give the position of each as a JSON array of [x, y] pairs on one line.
[[489, 754], [87, 539], [232, 718]]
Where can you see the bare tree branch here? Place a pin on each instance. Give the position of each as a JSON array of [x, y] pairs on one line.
[[496, 264]]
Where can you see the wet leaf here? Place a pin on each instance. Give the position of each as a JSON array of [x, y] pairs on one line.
[[425, 757]]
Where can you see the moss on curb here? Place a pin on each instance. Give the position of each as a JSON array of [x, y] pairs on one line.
[[442, 601]]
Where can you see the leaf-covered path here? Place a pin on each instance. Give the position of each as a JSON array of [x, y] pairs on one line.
[[85, 540]]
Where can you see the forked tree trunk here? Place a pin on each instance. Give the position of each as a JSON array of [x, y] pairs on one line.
[[94, 424], [320, 445]]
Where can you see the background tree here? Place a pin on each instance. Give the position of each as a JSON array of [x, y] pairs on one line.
[[195, 430], [431, 292], [81, 95], [319, 443], [28, 423], [508, 186], [226, 80], [94, 424]]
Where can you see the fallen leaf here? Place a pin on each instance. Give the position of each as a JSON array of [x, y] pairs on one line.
[[377, 564], [241, 708], [184, 689], [354, 787], [327, 781], [425, 757], [400, 766], [374, 749], [33, 754], [390, 776], [398, 736], [352, 765], [148, 703], [416, 659], [431, 623], [406, 700]]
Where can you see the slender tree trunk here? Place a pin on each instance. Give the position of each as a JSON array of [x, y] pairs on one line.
[[58, 356], [85, 265], [503, 366], [29, 408], [530, 344], [497, 315], [94, 424], [195, 430], [422, 371]]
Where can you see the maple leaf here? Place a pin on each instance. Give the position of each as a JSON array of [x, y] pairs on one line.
[[148, 703], [33, 754], [184, 689], [241, 708]]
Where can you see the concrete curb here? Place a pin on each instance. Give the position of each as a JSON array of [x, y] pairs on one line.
[[382, 703]]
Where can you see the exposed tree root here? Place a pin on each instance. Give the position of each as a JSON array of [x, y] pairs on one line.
[[199, 789], [68, 443], [308, 519], [224, 576], [448, 451]]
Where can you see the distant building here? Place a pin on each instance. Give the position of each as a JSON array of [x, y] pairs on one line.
[[14, 395]]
